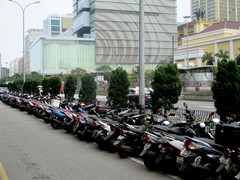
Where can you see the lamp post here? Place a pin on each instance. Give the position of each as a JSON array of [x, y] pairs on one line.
[[187, 17], [23, 52], [141, 56]]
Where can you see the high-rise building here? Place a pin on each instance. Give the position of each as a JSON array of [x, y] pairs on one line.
[[54, 24], [115, 27], [217, 10], [15, 66], [32, 35]]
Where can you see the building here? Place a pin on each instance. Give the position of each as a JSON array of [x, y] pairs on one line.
[[217, 10], [15, 66], [55, 25], [4, 72], [221, 35], [55, 55], [32, 34], [191, 28], [115, 28]]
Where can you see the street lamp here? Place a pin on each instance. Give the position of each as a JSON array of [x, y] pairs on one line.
[[23, 11], [187, 17]]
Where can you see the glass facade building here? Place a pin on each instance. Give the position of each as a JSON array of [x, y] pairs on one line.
[[114, 25], [59, 55], [217, 10]]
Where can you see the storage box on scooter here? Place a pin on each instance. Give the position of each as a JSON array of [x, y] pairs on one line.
[[55, 102], [228, 135]]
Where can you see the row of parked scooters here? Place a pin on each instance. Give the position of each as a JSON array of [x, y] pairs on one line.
[[189, 148]]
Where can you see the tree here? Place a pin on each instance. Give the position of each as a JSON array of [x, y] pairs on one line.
[[88, 91], [166, 87], [34, 76], [78, 72], [226, 89], [70, 86], [51, 85], [208, 58], [199, 13], [106, 71], [149, 74], [30, 87], [222, 55], [118, 88], [13, 86], [237, 59]]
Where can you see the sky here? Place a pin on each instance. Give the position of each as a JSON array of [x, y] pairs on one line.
[[11, 21]]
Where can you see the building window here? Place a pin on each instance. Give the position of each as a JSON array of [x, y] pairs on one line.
[[55, 22]]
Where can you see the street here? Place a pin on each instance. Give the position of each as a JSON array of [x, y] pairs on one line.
[[32, 149], [195, 105]]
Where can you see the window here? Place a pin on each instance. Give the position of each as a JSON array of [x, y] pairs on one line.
[[55, 22]]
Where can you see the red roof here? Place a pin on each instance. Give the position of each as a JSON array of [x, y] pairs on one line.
[[222, 25]]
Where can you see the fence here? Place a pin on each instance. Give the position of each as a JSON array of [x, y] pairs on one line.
[[199, 114]]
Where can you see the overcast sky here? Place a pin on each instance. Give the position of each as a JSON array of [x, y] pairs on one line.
[[11, 21]]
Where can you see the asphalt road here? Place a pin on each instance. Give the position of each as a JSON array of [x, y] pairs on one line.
[[31, 149]]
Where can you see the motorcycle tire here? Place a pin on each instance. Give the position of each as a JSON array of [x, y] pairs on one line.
[[54, 125], [123, 153], [149, 160], [100, 142]]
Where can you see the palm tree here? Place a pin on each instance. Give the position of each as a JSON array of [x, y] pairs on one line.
[[238, 58], [223, 55], [208, 56]]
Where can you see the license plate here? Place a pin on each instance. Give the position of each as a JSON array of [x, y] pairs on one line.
[[185, 153], [180, 159], [147, 146], [120, 137], [224, 160], [116, 142]]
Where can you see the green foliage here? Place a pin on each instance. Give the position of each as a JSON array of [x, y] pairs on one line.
[[222, 55], [118, 88], [88, 91], [106, 71], [149, 74], [17, 78], [208, 57], [70, 86], [30, 87], [238, 60], [167, 87], [78, 72], [226, 89], [15, 87], [34, 76], [51, 85], [104, 68]]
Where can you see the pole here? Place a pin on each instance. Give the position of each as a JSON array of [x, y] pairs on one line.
[[187, 17], [141, 56], [173, 49], [23, 16], [23, 59]]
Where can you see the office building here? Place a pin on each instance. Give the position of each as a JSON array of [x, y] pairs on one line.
[[15, 66], [55, 55], [55, 25], [32, 35], [115, 27], [217, 10]]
